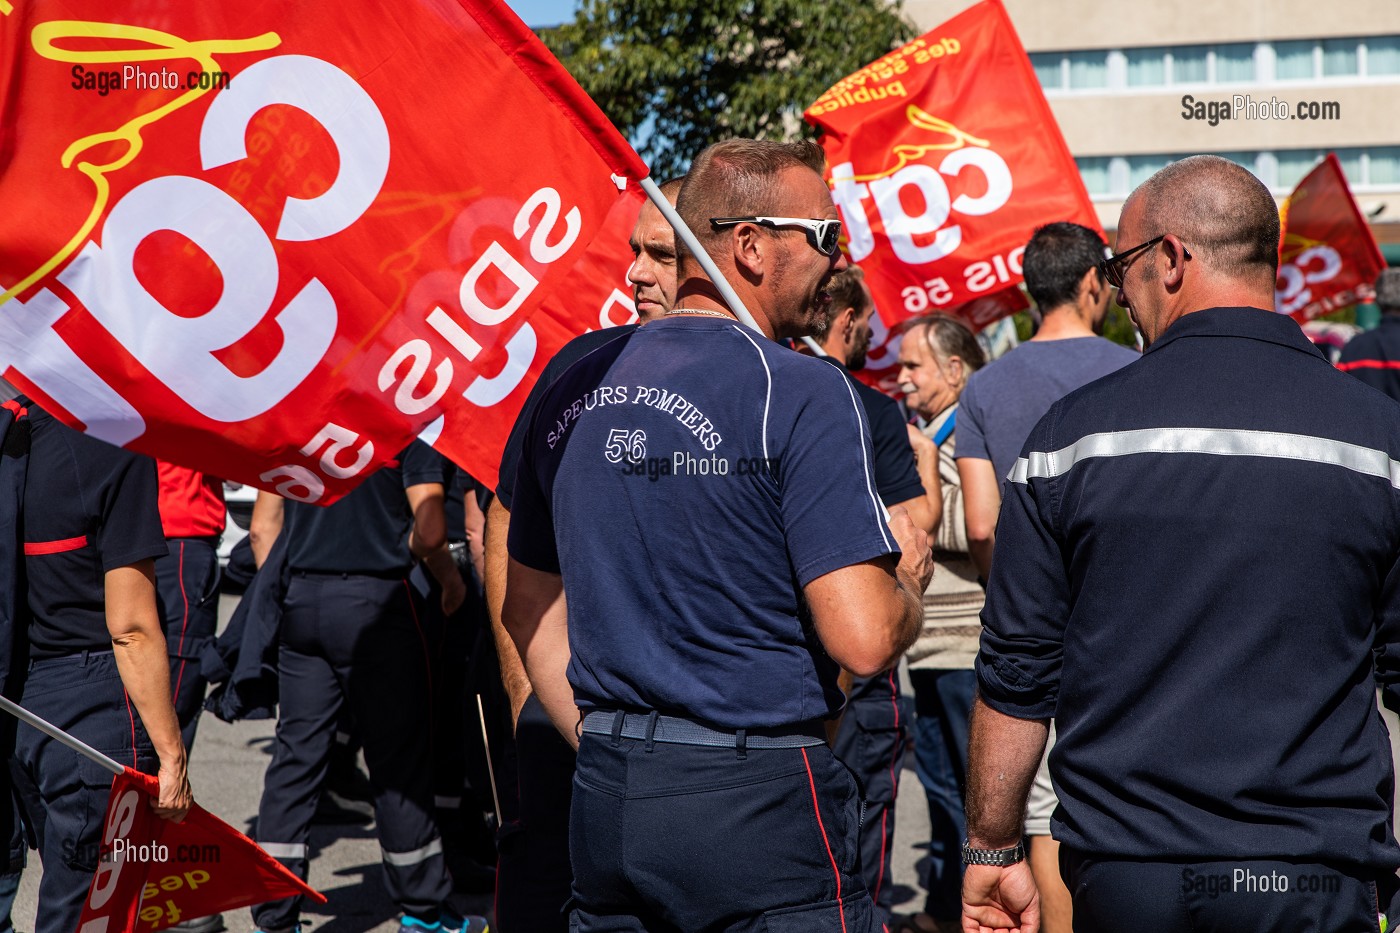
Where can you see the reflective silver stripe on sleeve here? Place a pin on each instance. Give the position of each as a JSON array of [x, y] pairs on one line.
[[403, 859], [1228, 442], [284, 849]]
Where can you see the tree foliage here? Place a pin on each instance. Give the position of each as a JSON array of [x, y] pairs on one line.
[[677, 75]]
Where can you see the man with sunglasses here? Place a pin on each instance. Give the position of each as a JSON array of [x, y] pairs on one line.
[[706, 498], [1196, 572]]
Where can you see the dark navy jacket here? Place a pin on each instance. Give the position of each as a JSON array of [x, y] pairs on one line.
[[1195, 559], [1374, 356]]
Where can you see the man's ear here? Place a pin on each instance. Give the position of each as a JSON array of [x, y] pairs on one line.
[[846, 324], [751, 250]]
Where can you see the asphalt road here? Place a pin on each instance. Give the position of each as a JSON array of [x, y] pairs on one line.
[[226, 771]]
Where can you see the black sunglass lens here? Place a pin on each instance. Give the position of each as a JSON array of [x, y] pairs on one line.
[[830, 238]]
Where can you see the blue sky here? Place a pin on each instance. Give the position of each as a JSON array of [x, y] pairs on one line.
[[543, 12]]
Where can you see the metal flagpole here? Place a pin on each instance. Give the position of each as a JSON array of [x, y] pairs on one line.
[[82, 748], [490, 770], [684, 232]]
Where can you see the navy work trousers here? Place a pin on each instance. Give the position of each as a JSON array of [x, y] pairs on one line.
[[1258, 896], [64, 794], [533, 876], [942, 707], [354, 642], [187, 594], [668, 838], [871, 741]]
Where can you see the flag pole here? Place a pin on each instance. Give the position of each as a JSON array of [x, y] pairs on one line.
[[490, 769], [53, 732], [683, 230]]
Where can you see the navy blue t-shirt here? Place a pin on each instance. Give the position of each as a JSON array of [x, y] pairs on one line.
[[687, 480], [367, 531], [569, 354], [896, 470], [89, 508]]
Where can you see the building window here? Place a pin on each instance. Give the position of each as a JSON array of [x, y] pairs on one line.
[[1383, 55], [1088, 69], [1234, 63], [1141, 168], [1384, 168], [1339, 58], [1048, 69], [1189, 65], [1293, 164], [1094, 171], [1147, 67]]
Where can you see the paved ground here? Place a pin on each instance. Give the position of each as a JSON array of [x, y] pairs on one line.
[[226, 772]]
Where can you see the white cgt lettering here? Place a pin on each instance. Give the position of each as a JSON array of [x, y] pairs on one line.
[[337, 102], [902, 227], [29, 343], [179, 350]]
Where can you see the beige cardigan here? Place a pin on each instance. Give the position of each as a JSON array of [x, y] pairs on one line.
[[953, 600]]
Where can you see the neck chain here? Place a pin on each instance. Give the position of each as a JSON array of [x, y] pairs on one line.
[[699, 311]]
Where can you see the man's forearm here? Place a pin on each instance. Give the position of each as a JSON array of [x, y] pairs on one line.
[[513, 674], [981, 554], [546, 659], [144, 667], [1003, 754]]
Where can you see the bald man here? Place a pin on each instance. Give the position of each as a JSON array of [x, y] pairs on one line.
[[1196, 558]]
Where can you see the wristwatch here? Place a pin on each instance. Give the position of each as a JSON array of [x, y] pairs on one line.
[[1000, 858]]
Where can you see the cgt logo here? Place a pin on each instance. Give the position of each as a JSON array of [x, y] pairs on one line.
[[895, 191], [1313, 266]]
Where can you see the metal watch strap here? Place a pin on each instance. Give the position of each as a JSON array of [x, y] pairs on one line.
[[999, 858]]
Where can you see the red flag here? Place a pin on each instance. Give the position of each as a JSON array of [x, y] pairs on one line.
[[273, 242], [943, 159], [1328, 258], [153, 873]]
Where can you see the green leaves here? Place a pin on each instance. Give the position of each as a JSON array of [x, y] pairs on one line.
[[675, 76]]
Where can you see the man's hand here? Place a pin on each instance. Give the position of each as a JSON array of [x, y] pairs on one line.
[[1000, 899], [915, 567], [454, 592], [175, 795]]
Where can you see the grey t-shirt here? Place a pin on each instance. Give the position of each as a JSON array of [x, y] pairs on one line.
[[1004, 400]]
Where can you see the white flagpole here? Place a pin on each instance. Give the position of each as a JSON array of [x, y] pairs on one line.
[[706, 263], [82, 748]]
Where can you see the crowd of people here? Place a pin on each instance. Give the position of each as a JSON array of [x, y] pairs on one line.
[[1144, 600]]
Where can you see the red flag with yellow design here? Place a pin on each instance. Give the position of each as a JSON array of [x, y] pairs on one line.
[[1328, 257], [943, 158], [274, 242]]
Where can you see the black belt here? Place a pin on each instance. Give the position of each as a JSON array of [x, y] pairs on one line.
[[653, 727]]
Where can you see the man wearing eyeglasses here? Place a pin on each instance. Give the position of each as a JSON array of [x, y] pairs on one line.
[[706, 498], [1196, 559]]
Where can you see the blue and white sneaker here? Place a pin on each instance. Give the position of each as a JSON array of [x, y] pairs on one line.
[[468, 924]]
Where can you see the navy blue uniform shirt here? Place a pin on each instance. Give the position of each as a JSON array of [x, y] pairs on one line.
[[1374, 356], [569, 354], [367, 531], [89, 508], [896, 470], [688, 479], [1195, 557]]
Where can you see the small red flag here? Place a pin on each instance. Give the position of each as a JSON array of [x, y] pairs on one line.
[[1328, 257], [153, 873]]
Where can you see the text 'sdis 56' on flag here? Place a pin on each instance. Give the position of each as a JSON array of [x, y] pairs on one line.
[[943, 158], [1328, 258], [274, 242], [153, 874]]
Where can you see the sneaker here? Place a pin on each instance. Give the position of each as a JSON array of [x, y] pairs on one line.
[[468, 924], [211, 924]]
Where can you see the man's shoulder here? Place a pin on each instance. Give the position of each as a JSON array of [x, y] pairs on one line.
[[584, 344]]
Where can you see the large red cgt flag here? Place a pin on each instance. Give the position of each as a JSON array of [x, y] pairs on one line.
[[943, 158], [153, 874], [274, 242], [1328, 257]]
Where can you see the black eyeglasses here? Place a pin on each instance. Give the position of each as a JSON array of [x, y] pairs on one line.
[[824, 235], [1116, 266]]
